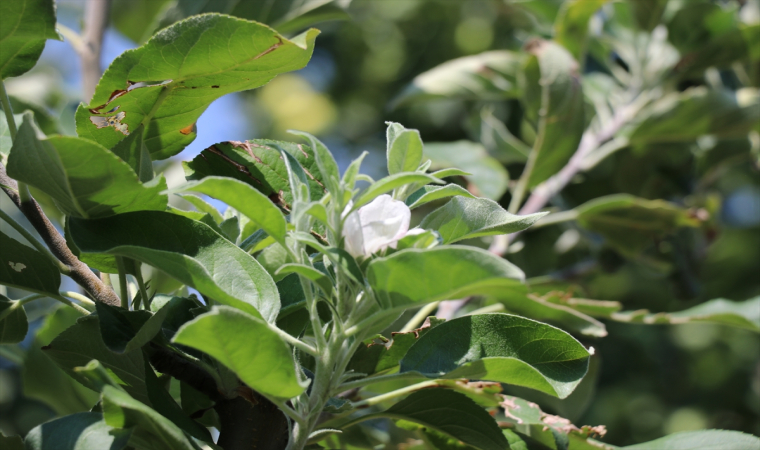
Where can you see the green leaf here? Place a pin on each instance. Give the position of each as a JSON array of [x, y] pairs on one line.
[[187, 250], [554, 98], [629, 223], [319, 278], [43, 380], [25, 25], [571, 26], [487, 175], [451, 413], [429, 194], [404, 152], [151, 428], [249, 201], [744, 314], [85, 179], [539, 308], [687, 115], [81, 431], [504, 348], [553, 431], [467, 218], [81, 343], [124, 331], [201, 205], [5, 136], [258, 163], [13, 325], [390, 183], [412, 277], [227, 335], [133, 151], [11, 442], [486, 76], [25, 268], [167, 83], [326, 164], [376, 357], [701, 440]]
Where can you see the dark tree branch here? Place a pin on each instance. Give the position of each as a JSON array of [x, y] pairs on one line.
[[57, 244], [247, 421]]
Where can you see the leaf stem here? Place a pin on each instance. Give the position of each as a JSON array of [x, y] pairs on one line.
[[23, 190], [123, 290], [68, 302], [419, 317], [63, 268], [8, 111], [18, 303], [393, 394], [558, 217], [295, 342], [79, 297], [374, 379], [361, 326], [141, 285]]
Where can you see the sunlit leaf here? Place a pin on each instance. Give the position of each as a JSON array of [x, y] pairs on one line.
[[167, 83], [187, 250], [25, 25], [227, 334], [81, 431], [501, 347], [85, 179], [487, 175], [467, 218]]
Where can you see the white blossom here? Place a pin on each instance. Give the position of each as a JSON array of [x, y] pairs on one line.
[[376, 226]]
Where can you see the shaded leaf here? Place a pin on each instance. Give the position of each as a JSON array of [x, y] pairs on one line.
[[43, 380], [487, 174], [81, 343], [151, 428], [390, 183], [319, 278], [167, 83], [13, 325], [428, 194], [227, 334], [744, 314], [80, 431], [467, 218], [698, 111], [25, 25], [249, 201], [11, 442], [629, 223], [187, 250], [451, 413], [258, 163], [413, 277], [326, 165], [486, 76], [540, 308], [701, 440], [571, 26], [554, 97], [124, 331], [85, 179], [132, 150], [376, 357], [504, 348], [25, 268]]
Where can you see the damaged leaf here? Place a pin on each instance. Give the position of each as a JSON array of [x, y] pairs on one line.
[[167, 83]]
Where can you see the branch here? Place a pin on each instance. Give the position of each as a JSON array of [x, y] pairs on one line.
[[590, 141], [79, 271], [95, 23]]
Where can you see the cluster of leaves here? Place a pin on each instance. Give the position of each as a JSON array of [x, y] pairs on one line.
[[287, 323]]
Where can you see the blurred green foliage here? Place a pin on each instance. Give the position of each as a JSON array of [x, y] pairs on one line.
[[649, 380]]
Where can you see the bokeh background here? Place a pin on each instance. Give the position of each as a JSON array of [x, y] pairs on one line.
[[647, 380]]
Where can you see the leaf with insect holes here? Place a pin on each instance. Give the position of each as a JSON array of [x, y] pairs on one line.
[[168, 82]]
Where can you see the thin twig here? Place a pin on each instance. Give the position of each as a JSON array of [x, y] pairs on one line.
[[79, 271]]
